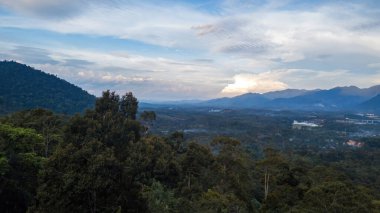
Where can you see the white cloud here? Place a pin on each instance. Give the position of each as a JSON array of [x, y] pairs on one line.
[[281, 79], [110, 78], [255, 83]]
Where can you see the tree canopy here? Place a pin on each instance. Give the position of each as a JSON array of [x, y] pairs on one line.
[[102, 161]]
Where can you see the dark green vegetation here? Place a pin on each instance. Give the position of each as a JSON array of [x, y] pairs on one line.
[[22, 87], [106, 160], [258, 128]]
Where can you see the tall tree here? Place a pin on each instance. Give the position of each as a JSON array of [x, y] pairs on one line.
[[129, 105], [109, 102], [21, 158], [235, 171]]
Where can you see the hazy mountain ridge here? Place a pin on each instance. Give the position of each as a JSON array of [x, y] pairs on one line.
[[23, 87], [372, 104], [338, 98], [245, 101], [288, 93]]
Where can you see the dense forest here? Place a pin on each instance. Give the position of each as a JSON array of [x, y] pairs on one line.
[[108, 160], [23, 87]]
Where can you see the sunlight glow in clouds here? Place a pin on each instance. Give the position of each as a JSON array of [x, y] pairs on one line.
[[196, 49], [255, 83]]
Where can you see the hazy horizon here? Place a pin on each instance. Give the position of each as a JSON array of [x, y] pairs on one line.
[[196, 50], [205, 99]]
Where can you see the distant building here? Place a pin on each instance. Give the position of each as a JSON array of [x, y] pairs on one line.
[[318, 121], [355, 144], [304, 125], [359, 121], [369, 115], [215, 110]]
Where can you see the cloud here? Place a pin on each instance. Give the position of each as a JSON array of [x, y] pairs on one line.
[[293, 35], [108, 78], [255, 83], [281, 79], [45, 8], [149, 77], [325, 79], [265, 31], [77, 63], [166, 24], [144, 87], [30, 55], [182, 48], [56, 9], [374, 65]]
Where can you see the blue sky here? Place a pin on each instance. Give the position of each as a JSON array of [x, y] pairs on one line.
[[171, 50]]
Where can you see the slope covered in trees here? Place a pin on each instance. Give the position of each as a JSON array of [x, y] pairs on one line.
[[104, 161], [22, 87]]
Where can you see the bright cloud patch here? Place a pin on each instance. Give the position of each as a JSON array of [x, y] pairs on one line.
[[256, 83]]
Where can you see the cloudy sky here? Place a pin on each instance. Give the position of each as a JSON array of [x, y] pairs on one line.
[[199, 49]]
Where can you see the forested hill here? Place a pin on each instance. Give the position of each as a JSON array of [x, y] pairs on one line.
[[23, 87]]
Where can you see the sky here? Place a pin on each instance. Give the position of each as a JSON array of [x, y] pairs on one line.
[[200, 49]]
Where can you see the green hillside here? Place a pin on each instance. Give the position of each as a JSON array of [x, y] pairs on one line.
[[23, 87]]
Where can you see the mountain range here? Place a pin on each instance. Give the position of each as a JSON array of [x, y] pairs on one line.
[[23, 87], [349, 98]]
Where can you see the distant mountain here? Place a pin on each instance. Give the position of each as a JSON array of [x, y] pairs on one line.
[[23, 87], [248, 100], [338, 98], [355, 91], [371, 92], [372, 104], [333, 99], [288, 93]]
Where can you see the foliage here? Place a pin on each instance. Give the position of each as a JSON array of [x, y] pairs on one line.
[[44, 122], [102, 161], [159, 199], [21, 152], [335, 197]]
